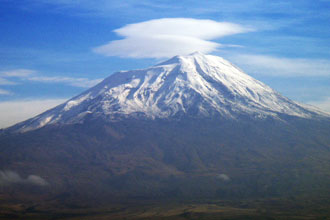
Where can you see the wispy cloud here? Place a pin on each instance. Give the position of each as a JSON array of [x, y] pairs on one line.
[[167, 37], [10, 177], [6, 82], [5, 92], [104, 8], [78, 82], [225, 8], [16, 111], [32, 75], [223, 177], [279, 66], [17, 73]]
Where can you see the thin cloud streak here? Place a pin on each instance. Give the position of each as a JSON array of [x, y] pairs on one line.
[[106, 8], [167, 37], [5, 92], [31, 75], [103, 8], [17, 73], [278, 66], [77, 82], [6, 82]]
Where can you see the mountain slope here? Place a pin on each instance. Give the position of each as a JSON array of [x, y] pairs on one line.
[[196, 85]]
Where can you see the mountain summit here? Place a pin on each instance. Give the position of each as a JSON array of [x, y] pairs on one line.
[[195, 85]]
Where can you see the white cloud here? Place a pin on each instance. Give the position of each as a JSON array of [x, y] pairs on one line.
[[31, 75], [276, 66], [4, 92], [323, 104], [168, 37], [223, 177], [201, 29], [13, 73], [10, 177], [6, 82], [36, 180], [12, 112], [17, 73], [78, 82]]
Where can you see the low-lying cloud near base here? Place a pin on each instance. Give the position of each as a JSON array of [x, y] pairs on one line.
[[167, 37], [223, 177], [20, 110], [10, 177], [323, 104]]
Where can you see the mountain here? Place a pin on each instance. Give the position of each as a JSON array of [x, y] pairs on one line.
[[196, 85], [193, 127]]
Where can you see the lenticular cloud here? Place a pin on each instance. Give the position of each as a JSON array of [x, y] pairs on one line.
[[168, 37]]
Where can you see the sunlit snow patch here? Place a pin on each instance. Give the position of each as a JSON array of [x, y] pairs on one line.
[[75, 102]]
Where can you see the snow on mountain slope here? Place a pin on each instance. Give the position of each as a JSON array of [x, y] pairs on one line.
[[196, 85]]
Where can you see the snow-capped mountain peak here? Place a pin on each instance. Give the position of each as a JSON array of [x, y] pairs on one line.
[[197, 85]]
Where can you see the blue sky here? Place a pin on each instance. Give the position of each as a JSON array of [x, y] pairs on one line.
[[51, 50]]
